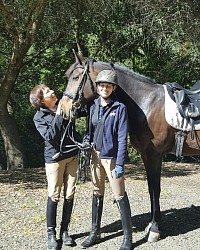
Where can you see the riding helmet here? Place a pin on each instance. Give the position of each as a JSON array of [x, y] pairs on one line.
[[108, 76]]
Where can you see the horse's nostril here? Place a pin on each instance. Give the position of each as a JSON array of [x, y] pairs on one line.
[[76, 104]]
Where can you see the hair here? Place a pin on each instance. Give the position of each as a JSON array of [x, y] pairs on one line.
[[36, 95]]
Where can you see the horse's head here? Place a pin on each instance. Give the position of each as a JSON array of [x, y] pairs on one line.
[[81, 87]]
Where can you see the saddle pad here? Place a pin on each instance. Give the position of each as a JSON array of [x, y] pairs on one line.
[[173, 117]]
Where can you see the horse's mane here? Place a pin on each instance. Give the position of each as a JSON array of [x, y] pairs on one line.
[[130, 72], [125, 70]]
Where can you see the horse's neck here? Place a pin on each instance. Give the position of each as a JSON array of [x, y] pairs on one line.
[[134, 85]]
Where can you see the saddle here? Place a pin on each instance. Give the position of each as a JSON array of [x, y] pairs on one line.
[[187, 100], [188, 104]]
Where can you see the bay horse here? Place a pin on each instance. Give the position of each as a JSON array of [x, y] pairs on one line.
[[149, 132]]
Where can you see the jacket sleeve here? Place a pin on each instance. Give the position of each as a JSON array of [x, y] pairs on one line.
[[122, 136], [49, 130]]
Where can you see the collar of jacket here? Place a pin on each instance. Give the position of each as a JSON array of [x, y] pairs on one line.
[[46, 110]]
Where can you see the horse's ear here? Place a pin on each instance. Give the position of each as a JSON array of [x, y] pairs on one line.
[[78, 57], [80, 53]]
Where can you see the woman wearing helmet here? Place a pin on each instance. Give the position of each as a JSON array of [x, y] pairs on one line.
[[107, 132]]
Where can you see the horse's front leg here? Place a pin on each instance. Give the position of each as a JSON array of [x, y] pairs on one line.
[[153, 162]]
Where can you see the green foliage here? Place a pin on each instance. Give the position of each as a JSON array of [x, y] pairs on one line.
[[159, 39], [50, 70], [133, 155], [81, 126], [151, 38]]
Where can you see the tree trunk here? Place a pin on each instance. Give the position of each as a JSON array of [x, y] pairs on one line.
[[22, 40], [11, 140]]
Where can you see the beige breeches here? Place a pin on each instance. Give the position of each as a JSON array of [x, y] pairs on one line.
[[62, 173], [99, 169]]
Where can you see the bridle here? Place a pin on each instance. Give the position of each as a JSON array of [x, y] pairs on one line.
[[77, 99], [77, 104]]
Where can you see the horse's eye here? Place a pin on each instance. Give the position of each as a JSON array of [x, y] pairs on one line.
[[75, 78]]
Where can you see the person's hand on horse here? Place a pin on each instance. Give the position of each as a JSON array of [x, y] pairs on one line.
[[63, 107], [59, 110], [119, 171]]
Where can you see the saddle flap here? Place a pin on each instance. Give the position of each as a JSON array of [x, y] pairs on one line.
[[193, 111]]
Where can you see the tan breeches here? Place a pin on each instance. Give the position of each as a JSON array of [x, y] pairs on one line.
[[62, 173], [99, 169]]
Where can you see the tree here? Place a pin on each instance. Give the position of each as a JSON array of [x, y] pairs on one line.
[[21, 34], [28, 55], [157, 38]]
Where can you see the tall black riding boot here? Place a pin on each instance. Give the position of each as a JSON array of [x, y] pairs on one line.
[[66, 216], [51, 224], [97, 208], [125, 212]]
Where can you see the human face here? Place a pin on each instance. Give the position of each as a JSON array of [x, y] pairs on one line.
[[105, 89], [49, 98]]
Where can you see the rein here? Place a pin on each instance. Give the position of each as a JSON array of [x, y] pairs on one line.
[[76, 104], [71, 136], [84, 153]]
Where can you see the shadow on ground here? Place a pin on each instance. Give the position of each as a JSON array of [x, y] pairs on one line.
[[169, 169], [36, 176], [30, 178], [174, 223]]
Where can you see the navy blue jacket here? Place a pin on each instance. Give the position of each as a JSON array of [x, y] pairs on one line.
[[114, 139], [51, 127]]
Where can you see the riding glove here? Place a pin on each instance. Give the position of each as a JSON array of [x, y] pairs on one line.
[[119, 171]]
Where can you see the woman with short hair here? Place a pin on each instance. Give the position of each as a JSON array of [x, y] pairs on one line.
[[60, 164]]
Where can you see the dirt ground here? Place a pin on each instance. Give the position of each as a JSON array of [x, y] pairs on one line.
[[23, 203]]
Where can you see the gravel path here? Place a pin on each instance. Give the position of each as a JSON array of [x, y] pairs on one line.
[[23, 203]]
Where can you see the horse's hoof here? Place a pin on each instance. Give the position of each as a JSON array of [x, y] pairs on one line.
[[153, 237]]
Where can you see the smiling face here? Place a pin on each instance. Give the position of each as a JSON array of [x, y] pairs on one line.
[[49, 98], [105, 89]]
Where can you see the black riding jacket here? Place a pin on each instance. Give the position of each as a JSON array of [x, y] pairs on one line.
[[51, 127]]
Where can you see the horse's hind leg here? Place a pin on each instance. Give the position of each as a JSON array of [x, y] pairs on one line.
[[153, 161]]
